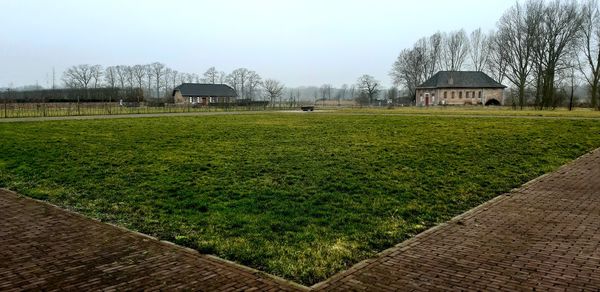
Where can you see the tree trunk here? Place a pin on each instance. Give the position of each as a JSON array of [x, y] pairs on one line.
[[571, 98], [594, 96], [549, 95], [522, 94]]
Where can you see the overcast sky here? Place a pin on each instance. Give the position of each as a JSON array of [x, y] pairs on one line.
[[299, 42]]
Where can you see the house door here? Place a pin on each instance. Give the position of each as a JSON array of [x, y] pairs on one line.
[[204, 101], [426, 99]]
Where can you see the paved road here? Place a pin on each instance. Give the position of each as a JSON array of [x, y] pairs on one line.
[[544, 236]]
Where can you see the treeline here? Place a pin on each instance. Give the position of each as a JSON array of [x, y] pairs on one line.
[[73, 95], [544, 49], [155, 83], [156, 80]]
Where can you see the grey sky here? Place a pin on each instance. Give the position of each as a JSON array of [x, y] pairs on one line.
[[299, 42]]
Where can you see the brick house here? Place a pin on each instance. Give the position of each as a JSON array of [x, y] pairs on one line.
[[203, 94], [460, 88]]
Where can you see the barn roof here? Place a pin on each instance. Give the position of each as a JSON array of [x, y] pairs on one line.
[[461, 79], [205, 90]]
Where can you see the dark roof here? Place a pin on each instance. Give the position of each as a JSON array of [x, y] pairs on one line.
[[461, 79], [205, 90]]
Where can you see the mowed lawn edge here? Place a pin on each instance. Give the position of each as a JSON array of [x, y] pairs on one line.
[[298, 196]]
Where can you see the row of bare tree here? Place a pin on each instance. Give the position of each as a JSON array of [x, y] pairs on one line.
[[538, 46], [366, 90], [155, 79], [158, 80]]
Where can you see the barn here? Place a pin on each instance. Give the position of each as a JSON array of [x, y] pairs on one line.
[[460, 88], [203, 93]]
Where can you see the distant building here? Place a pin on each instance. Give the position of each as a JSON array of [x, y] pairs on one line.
[[460, 88], [203, 94]]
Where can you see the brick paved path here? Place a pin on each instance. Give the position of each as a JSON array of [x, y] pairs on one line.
[[545, 235], [42, 246]]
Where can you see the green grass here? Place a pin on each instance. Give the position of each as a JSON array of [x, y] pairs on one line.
[[481, 111], [301, 196]]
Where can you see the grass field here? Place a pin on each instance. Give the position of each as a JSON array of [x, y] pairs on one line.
[[298, 195], [481, 111]]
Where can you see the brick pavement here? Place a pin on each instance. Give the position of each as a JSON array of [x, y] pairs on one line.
[[543, 236], [44, 247]]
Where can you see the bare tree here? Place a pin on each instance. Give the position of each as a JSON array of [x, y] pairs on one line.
[[570, 76], [479, 50], [555, 38], [237, 79], [514, 41], [414, 66], [174, 78], [253, 81], [410, 69], [434, 49], [497, 63], [233, 81], [222, 77], [184, 77], [139, 73], [325, 92], [78, 76], [291, 98], [274, 90], [368, 86], [455, 50], [97, 75], [158, 73], [110, 76], [121, 72], [167, 79], [211, 75], [589, 63], [342, 93], [149, 74]]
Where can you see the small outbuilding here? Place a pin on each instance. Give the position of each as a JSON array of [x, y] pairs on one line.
[[460, 88], [203, 93]]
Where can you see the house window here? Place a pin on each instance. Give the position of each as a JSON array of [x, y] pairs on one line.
[[467, 94], [452, 94], [460, 94], [445, 94], [479, 94]]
